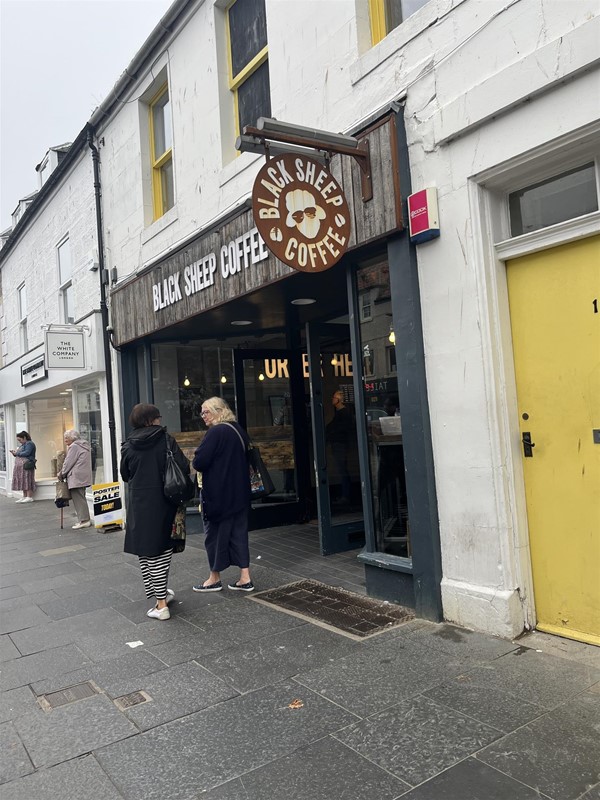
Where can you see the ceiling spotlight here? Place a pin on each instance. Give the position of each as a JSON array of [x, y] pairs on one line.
[[186, 381], [223, 379], [303, 301], [242, 322]]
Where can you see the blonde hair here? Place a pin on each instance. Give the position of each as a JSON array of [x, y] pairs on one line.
[[219, 409]]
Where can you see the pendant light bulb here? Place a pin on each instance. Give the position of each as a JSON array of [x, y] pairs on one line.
[[186, 381], [261, 377], [223, 379], [392, 336]]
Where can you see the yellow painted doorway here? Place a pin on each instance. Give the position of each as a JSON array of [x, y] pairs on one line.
[[554, 301]]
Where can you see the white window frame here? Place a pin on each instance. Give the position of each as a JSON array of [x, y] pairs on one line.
[[65, 285], [22, 295]]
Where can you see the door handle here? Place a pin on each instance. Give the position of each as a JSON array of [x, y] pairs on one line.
[[528, 445]]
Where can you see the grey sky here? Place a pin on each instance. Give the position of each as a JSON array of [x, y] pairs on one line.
[[58, 60]]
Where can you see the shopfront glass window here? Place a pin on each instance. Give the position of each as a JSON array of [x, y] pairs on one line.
[[90, 426], [384, 424], [183, 377], [49, 418]]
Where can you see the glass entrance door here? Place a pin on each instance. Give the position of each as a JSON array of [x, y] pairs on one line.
[[336, 465], [264, 383]]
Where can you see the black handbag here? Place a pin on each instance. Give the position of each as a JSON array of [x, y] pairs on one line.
[[29, 464], [261, 484], [178, 487]]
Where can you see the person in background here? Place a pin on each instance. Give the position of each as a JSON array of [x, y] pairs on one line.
[[150, 516], [23, 480], [77, 469], [221, 458], [391, 405], [338, 433]]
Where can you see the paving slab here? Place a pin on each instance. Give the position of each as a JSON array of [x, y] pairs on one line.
[[20, 618], [17, 702], [8, 651], [417, 738], [211, 638], [41, 574], [178, 692], [79, 779], [373, 678], [14, 761], [324, 769], [472, 780], [270, 659], [67, 631], [478, 700], [181, 759], [72, 730], [116, 677], [460, 642], [90, 600], [104, 646], [28, 669], [7, 592], [560, 758], [536, 677]]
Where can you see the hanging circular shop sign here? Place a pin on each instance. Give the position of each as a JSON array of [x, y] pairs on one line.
[[301, 213]]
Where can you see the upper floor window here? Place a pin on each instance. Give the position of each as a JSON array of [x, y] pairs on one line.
[[161, 153], [65, 277], [23, 317], [565, 196], [248, 61], [366, 309], [388, 14]]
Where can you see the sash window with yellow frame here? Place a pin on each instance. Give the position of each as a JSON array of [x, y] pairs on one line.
[[161, 149], [248, 61], [388, 14]]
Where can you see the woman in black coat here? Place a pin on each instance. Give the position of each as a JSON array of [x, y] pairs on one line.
[[221, 459], [150, 515]]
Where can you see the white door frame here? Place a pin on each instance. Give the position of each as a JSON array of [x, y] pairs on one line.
[[493, 246]]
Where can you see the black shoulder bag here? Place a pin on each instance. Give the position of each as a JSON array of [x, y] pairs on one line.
[[178, 487]]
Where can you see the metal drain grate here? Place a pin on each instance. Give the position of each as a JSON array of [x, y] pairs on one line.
[[65, 696], [129, 700], [347, 612]]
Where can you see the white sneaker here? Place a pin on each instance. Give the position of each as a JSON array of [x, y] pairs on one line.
[[82, 525], [26, 500], [170, 596], [22, 500], [159, 613]]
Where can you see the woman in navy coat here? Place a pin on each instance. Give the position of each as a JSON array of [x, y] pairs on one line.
[[150, 515], [221, 459]]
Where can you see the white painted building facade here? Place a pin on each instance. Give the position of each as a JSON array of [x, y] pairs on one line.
[[495, 97], [50, 281]]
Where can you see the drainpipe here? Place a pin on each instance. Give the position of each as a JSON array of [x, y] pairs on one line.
[[104, 308]]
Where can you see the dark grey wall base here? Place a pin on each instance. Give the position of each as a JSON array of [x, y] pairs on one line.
[[397, 587]]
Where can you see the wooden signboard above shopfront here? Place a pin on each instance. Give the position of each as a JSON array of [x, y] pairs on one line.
[[232, 260]]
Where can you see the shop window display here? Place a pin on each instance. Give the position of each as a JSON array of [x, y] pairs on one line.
[[384, 423]]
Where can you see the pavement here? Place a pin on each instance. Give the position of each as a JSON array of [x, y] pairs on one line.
[[245, 702]]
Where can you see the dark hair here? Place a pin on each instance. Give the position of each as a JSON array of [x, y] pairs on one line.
[[142, 415], [24, 435]]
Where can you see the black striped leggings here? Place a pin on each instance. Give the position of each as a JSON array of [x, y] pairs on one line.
[[155, 572]]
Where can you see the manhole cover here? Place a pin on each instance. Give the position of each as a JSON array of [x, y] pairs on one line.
[[346, 611], [65, 696], [129, 700]]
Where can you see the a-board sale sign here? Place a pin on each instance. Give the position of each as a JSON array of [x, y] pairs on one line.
[[108, 506]]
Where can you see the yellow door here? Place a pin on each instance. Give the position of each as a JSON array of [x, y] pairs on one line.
[[554, 300]]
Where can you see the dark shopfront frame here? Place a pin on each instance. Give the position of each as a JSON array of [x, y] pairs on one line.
[[412, 581]]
